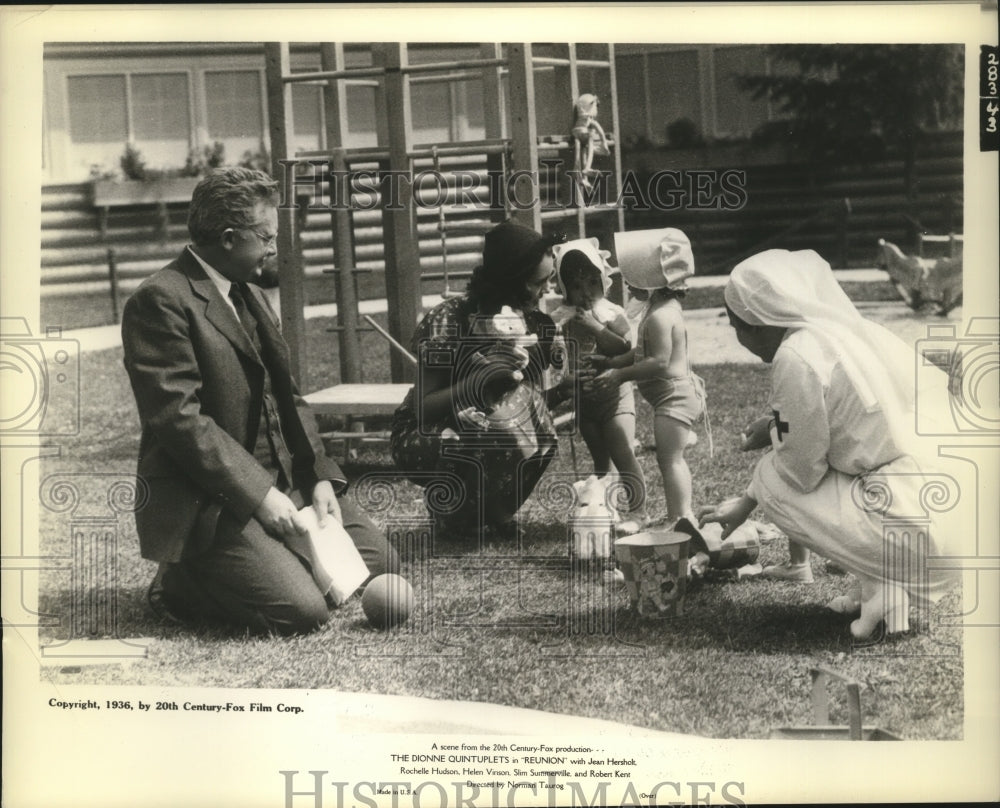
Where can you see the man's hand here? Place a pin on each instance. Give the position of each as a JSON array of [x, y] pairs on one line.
[[279, 516], [325, 503], [730, 514], [756, 435]]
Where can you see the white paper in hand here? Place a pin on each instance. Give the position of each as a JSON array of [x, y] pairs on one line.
[[337, 566]]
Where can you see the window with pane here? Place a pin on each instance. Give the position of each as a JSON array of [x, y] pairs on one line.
[[361, 131], [430, 105], [475, 123], [161, 117], [98, 122], [307, 116], [235, 114]]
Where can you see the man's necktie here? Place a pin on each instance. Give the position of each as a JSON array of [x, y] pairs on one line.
[[236, 294]]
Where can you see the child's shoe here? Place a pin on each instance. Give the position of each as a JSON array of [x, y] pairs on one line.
[[628, 526], [614, 577], [794, 573], [697, 566]]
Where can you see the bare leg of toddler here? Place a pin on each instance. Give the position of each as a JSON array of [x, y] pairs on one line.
[[619, 437], [671, 441]]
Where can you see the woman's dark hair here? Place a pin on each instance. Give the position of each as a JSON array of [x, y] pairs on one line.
[[490, 294], [510, 255]]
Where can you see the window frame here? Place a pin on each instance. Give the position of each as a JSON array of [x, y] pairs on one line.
[[127, 74]]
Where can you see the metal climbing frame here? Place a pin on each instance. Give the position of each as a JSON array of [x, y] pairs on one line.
[[512, 154]]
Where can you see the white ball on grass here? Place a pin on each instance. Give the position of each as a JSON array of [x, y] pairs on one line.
[[387, 601]]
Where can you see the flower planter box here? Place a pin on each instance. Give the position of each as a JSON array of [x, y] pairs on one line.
[[158, 193], [123, 193]]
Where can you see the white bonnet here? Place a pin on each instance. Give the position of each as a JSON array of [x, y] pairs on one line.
[[655, 259]]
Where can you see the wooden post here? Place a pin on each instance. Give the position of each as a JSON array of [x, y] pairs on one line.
[[402, 255], [574, 92], [335, 106], [113, 277], [616, 132], [522, 191], [493, 120], [290, 275]]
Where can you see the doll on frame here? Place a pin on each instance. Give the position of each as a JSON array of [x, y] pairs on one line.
[[588, 137]]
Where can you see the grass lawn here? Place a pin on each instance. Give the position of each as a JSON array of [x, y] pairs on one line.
[[510, 624]]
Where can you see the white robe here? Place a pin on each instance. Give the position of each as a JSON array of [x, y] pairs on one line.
[[837, 482]]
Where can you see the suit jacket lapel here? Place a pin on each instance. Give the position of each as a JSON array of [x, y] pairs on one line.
[[217, 310], [270, 336]]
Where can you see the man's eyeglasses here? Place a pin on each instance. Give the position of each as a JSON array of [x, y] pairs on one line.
[[266, 240]]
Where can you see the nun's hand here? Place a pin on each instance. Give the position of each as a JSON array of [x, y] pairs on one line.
[[730, 514]]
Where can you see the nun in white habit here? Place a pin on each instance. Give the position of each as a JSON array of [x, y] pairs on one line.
[[841, 435]]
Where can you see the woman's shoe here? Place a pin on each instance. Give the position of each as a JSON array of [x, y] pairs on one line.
[[845, 604], [794, 573], [889, 604], [849, 604]]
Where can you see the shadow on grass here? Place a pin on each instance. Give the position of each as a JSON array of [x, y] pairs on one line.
[[131, 616], [102, 612]]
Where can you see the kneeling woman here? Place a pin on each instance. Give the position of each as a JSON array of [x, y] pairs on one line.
[[842, 400], [477, 422]]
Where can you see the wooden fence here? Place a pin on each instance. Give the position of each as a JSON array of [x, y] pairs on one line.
[[839, 211]]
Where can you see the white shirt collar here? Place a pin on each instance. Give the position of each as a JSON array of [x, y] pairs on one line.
[[222, 283]]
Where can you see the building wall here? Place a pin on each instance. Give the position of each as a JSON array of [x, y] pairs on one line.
[[169, 99]]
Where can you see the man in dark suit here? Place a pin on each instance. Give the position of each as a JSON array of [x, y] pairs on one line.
[[229, 450]]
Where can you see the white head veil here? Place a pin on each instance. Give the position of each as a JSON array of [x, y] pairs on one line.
[[798, 290]]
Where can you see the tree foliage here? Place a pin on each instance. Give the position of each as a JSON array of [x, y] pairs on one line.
[[858, 101]]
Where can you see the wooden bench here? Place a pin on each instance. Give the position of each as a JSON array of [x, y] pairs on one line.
[[355, 402], [358, 400]]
